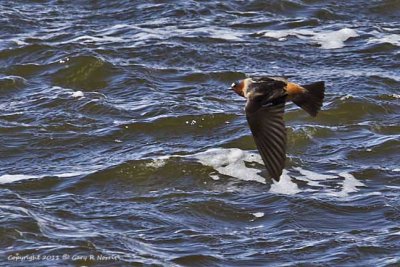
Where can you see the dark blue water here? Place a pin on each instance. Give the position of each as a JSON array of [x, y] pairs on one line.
[[121, 144]]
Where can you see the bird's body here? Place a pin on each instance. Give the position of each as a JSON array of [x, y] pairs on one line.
[[266, 97]]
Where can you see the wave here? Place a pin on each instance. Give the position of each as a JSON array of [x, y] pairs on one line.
[[84, 73], [11, 82], [227, 162]]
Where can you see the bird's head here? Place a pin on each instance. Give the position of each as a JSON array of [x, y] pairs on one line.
[[238, 87]]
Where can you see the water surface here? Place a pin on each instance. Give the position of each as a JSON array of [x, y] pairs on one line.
[[120, 139]]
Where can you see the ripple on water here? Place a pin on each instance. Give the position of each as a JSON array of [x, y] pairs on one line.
[[354, 109], [85, 73], [11, 82]]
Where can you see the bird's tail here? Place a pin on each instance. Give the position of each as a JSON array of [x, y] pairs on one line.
[[311, 98]]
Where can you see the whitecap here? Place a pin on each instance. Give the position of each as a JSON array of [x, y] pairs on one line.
[[231, 162], [334, 39], [285, 185], [279, 34], [326, 39], [77, 94], [19, 40], [11, 178], [95, 39], [385, 38], [70, 174], [225, 34], [258, 214], [236, 163], [349, 185]]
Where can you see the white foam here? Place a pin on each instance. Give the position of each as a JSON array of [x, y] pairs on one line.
[[214, 177], [77, 94], [313, 176], [285, 185], [70, 174], [349, 185], [231, 162], [144, 34], [11, 178], [254, 227], [279, 34], [157, 163], [396, 95], [385, 38], [95, 39], [223, 33], [64, 60], [334, 39], [19, 40], [258, 214], [393, 187], [326, 39], [347, 96], [193, 122]]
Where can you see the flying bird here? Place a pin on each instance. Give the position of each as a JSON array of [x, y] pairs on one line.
[[266, 97]]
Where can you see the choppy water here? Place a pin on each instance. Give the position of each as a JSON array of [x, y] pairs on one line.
[[120, 140]]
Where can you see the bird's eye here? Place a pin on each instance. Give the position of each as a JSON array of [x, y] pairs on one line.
[[233, 85]]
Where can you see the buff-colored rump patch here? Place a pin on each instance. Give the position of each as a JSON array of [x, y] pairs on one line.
[[294, 89]]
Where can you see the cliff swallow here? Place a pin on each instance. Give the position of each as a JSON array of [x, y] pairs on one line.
[[266, 98]]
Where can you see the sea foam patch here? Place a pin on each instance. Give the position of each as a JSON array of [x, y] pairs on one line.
[[385, 38], [11, 178], [326, 39], [77, 94], [334, 39], [237, 163], [285, 185], [348, 183], [231, 162]]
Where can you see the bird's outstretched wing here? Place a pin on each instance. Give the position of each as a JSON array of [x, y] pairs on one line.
[[269, 132]]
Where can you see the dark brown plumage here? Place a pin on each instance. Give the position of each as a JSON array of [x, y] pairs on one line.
[[266, 98]]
